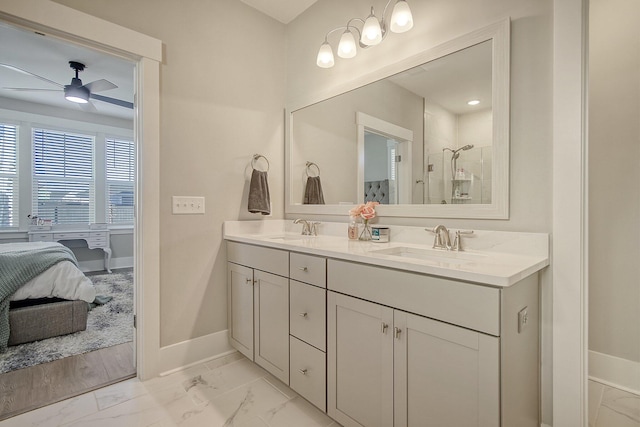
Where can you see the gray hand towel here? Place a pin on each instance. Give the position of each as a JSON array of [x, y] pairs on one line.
[[313, 192], [259, 199]]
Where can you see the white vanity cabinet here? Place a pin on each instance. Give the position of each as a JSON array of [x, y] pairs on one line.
[[377, 346], [258, 305], [403, 350]]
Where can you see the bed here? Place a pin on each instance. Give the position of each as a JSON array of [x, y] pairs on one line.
[[52, 303]]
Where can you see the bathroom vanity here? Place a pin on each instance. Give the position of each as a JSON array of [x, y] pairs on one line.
[[391, 334]]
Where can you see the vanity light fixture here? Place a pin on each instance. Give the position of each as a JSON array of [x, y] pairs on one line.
[[373, 31], [473, 102]]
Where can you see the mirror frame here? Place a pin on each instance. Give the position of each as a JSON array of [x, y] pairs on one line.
[[499, 34]]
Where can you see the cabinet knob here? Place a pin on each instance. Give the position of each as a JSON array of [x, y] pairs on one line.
[[302, 371], [249, 280], [384, 328], [303, 268], [397, 332], [302, 314]]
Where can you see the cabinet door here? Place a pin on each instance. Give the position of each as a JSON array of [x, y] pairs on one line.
[[271, 313], [240, 308], [445, 376], [360, 362]]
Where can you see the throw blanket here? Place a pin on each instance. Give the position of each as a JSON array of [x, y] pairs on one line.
[[17, 268]]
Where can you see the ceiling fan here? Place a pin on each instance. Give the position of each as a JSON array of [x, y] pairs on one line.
[[75, 91]]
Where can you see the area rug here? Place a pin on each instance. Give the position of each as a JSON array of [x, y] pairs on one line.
[[107, 325]]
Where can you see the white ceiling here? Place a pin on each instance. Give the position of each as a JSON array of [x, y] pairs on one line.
[[453, 80], [284, 11], [49, 57]]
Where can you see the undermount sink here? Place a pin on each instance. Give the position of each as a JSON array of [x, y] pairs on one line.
[[453, 257]]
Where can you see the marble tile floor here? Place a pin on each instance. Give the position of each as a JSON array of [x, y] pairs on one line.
[[228, 392], [610, 407]]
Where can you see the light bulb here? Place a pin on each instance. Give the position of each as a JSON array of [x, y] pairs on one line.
[[325, 56], [347, 46], [371, 32], [401, 18], [474, 102], [76, 99]]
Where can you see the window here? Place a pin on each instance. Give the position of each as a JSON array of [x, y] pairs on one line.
[[120, 158], [8, 176], [63, 172]]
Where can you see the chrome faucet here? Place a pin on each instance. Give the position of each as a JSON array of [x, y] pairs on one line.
[[457, 241], [442, 239], [308, 228]]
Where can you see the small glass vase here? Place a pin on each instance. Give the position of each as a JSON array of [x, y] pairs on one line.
[[365, 233]]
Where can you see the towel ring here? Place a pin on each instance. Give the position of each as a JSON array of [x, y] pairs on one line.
[[256, 157], [309, 166]]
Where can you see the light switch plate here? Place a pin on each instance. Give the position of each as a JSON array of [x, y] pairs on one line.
[[187, 205]]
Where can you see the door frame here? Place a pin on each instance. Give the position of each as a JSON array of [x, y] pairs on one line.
[[403, 136], [146, 52], [569, 261]]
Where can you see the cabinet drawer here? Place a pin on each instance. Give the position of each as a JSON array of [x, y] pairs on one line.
[[307, 313], [70, 236], [41, 237], [97, 242], [270, 260], [470, 305], [309, 373], [95, 234], [309, 269]]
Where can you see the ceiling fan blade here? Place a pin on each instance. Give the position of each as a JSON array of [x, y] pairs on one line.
[[100, 85], [29, 73], [114, 101], [88, 107], [30, 89]]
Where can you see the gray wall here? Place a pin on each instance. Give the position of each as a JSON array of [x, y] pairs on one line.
[[614, 178], [222, 86]]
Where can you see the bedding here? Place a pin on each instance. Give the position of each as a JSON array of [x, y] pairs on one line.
[[38, 270], [63, 280]]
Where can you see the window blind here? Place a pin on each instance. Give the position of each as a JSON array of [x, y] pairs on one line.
[[63, 172], [8, 176], [120, 158]]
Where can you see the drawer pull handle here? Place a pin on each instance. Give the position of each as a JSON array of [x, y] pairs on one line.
[[384, 328], [302, 371], [397, 332], [302, 314], [303, 268]]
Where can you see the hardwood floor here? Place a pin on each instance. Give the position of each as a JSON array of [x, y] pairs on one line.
[[41, 385]]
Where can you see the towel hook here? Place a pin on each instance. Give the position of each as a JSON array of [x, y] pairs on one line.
[[309, 166], [256, 157]]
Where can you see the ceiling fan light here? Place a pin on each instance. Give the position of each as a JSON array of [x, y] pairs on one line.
[[401, 18], [79, 95], [371, 32], [347, 47], [325, 56]]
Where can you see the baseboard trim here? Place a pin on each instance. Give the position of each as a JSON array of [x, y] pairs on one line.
[[184, 354], [98, 264], [615, 372]]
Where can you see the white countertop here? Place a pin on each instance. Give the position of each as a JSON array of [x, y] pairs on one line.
[[496, 258]]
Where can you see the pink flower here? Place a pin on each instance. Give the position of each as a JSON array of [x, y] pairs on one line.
[[366, 211]]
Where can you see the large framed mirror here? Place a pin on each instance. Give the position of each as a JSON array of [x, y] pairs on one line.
[[425, 137]]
